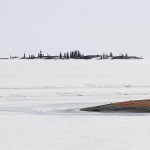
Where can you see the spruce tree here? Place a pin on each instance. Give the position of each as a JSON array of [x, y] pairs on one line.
[[73, 54], [126, 56], [76, 54], [60, 56], [41, 55], [24, 56], [65, 55], [110, 55], [68, 55], [79, 54], [104, 56]]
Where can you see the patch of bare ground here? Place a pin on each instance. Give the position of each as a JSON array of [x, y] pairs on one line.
[[142, 103], [141, 106]]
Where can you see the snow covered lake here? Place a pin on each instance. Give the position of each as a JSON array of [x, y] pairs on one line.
[[40, 102]]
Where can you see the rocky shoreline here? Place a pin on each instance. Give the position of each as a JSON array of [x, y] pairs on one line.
[[138, 106]]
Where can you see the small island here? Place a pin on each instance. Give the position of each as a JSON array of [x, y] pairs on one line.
[[76, 54], [137, 106]]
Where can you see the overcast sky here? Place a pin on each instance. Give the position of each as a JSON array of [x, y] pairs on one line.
[[92, 26]]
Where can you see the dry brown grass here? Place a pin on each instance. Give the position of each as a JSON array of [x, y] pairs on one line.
[[142, 103]]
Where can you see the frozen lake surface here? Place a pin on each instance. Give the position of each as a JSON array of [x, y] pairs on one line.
[[40, 102]]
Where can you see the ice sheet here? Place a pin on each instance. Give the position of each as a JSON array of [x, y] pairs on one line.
[[40, 102]]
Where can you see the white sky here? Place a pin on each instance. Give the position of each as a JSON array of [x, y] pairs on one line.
[[92, 26]]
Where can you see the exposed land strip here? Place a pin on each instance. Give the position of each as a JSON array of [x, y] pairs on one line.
[[139, 106]]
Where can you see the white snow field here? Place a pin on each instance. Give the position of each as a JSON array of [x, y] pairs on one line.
[[40, 102]]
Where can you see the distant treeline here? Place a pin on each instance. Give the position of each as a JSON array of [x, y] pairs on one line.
[[75, 55]]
